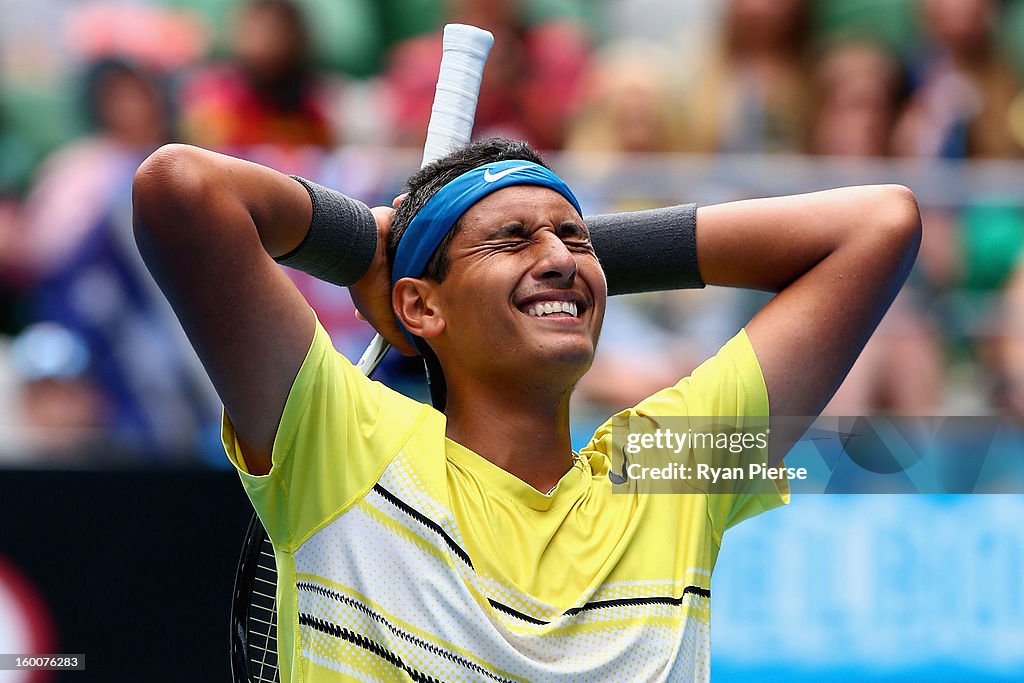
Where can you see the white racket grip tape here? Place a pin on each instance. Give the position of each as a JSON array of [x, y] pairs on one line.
[[458, 87]]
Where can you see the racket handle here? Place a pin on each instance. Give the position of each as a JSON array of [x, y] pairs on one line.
[[373, 355], [465, 51]]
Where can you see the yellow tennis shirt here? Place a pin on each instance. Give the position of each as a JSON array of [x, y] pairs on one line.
[[405, 556]]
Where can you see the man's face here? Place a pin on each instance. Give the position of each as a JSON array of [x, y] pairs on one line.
[[524, 291]]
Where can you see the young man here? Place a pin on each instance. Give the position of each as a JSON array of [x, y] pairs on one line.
[[474, 544]]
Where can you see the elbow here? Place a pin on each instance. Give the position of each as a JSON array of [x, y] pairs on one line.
[[898, 235], [899, 226], [168, 186], [165, 180]]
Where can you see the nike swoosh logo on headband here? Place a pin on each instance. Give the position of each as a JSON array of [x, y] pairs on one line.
[[494, 177]]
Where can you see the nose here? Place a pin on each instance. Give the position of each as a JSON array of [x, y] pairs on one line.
[[556, 264]]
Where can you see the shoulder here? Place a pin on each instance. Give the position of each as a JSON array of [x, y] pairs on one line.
[[728, 384]]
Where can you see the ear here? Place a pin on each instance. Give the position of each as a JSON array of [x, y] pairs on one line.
[[414, 302]]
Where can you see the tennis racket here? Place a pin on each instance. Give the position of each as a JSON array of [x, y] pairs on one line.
[[254, 599]]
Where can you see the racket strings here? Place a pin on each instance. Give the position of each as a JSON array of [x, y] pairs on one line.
[[262, 619]]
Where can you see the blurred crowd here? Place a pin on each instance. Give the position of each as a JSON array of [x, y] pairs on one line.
[[93, 363]]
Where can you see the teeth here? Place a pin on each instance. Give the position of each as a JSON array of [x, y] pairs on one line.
[[549, 307]]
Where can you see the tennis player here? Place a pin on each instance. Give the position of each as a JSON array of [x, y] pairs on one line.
[[474, 544]]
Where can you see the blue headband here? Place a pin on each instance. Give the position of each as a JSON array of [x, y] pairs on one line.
[[433, 222]]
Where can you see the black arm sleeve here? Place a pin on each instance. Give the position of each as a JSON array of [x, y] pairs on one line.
[[647, 251], [341, 241]]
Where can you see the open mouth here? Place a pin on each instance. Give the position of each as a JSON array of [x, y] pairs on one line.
[[545, 309], [555, 305]]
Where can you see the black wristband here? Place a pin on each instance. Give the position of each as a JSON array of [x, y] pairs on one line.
[[648, 251], [341, 241]]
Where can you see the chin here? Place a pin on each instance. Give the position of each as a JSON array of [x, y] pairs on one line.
[[576, 358]]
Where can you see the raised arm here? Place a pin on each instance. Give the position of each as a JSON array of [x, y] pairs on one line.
[[836, 258], [207, 226]]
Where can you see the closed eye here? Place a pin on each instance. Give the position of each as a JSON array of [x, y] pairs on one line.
[[509, 233], [511, 245], [516, 235], [574, 235]]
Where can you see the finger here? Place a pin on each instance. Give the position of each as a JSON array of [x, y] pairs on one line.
[[359, 316], [404, 347], [383, 215], [393, 335], [397, 202]]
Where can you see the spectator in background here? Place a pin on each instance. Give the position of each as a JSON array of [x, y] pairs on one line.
[[51, 409], [960, 108], [963, 87], [267, 93], [127, 115], [82, 271], [858, 93], [532, 76], [750, 94], [859, 90], [628, 104]]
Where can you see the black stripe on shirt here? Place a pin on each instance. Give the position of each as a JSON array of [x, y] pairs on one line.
[[425, 521], [362, 641], [602, 604], [464, 556], [404, 635]]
